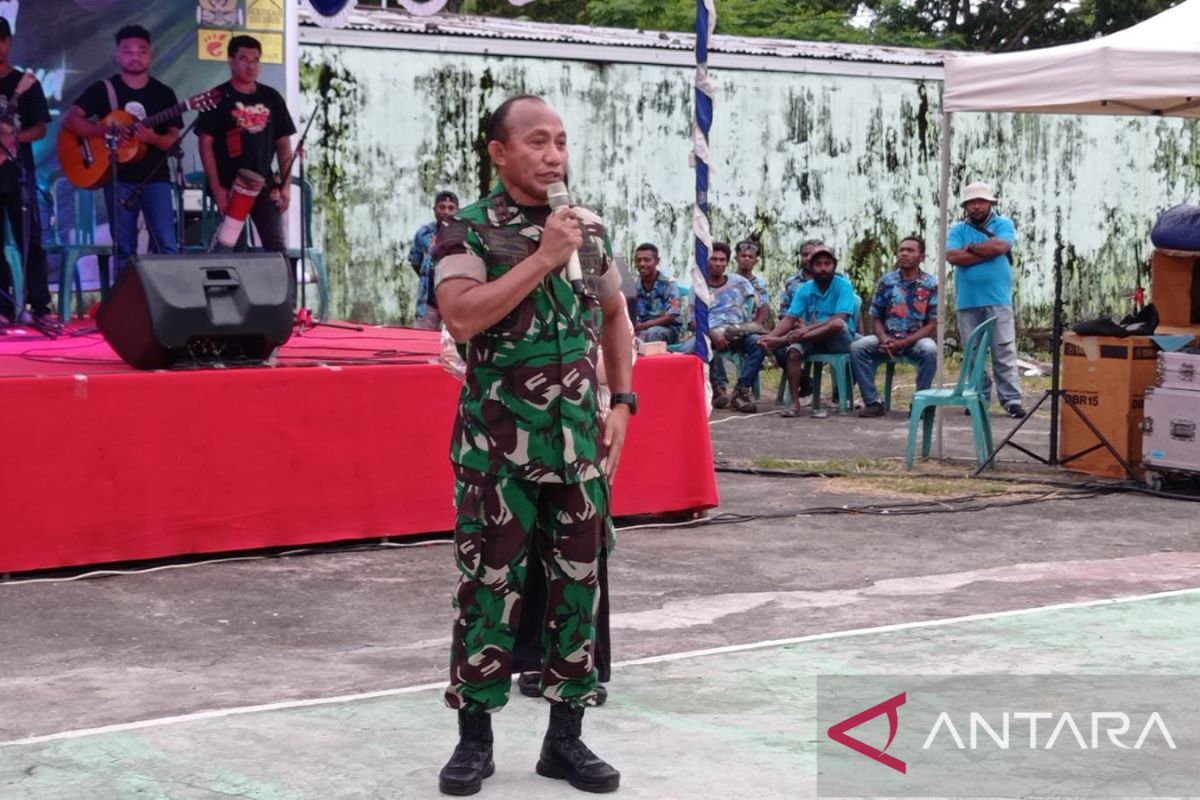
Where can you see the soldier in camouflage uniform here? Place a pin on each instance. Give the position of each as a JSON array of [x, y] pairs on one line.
[[531, 454]]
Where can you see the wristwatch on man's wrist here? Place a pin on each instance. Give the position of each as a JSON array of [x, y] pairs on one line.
[[628, 398]]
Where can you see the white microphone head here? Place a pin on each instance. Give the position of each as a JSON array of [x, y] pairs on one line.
[[557, 195]]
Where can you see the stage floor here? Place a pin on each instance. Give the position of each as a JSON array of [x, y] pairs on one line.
[[344, 437]]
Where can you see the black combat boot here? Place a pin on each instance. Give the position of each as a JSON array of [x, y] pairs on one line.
[[471, 761], [567, 758]]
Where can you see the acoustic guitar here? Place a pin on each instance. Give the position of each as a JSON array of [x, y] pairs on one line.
[[85, 160]]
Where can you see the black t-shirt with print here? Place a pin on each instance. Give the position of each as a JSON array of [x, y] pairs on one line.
[[152, 98], [245, 128], [32, 109]]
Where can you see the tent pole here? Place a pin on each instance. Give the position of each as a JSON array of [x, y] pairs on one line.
[[943, 226]]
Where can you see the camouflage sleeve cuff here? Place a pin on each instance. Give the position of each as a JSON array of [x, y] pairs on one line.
[[460, 265], [610, 282]]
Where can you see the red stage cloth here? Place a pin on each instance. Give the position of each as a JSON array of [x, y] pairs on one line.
[[105, 463]]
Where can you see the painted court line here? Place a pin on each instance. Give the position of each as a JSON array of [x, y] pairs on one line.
[[735, 648]]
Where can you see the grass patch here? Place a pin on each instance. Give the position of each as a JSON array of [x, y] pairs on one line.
[[889, 477]]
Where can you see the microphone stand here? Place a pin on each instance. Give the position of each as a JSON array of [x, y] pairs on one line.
[[304, 316], [176, 151], [112, 138]]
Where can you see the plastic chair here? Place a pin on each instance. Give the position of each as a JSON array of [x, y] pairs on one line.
[[82, 243], [210, 218], [843, 372], [312, 255], [890, 376], [16, 267], [966, 393]]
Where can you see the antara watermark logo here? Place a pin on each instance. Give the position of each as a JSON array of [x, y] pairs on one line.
[[1107, 729], [1032, 730]]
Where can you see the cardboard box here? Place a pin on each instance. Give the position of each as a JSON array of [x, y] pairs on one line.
[[1107, 377], [1175, 289]]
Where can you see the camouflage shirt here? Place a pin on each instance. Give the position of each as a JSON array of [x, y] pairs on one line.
[[528, 408]]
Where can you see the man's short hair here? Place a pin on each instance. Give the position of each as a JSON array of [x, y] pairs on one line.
[[497, 121], [446, 195], [748, 244], [242, 40], [722, 247], [912, 237], [133, 32], [5, 29], [646, 246], [811, 243]]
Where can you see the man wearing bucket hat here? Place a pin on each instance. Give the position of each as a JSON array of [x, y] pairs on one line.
[[980, 248]]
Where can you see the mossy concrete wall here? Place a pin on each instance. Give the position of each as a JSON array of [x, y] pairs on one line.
[[852, 160]]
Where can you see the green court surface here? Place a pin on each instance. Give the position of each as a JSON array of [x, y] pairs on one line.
[[734, 723]]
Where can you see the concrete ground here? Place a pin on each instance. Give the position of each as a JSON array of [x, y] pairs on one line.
[[223, 636]]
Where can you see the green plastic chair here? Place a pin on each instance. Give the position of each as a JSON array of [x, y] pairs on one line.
[[843, 377], [210, 218], [82, 243], [840, 368], [16, 268], [890, 377], [966, 394]]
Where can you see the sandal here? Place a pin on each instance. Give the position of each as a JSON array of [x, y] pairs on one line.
[[790, 412]]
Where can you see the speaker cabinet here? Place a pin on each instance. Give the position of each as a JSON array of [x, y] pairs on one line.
[[206, 308]]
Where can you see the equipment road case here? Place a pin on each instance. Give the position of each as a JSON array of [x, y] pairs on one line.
[[1170, 433], [1179, 371]]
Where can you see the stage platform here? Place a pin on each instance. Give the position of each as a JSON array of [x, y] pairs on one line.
[[346, 437]]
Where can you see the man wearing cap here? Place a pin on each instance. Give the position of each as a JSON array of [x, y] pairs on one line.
[[803, 275], [746, 253], [980, 247], [445, 205], [818, 320]]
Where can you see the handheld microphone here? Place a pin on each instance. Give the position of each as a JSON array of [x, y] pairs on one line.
[[559, 199]]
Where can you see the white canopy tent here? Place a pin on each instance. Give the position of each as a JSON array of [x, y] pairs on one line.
[[1148, 69]]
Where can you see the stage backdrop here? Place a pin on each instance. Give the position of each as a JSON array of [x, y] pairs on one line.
[[69, 44]]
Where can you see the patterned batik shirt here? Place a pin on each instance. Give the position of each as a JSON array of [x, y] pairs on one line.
[[421, 256], [905, 306], [789, 290], [528, 408], [732, 303], [762, 297], [662, 298]]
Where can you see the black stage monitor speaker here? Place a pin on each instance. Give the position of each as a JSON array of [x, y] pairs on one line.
[[206, 308]]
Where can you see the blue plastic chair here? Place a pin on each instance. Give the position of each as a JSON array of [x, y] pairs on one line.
[[965, 393], [840, 368], [82, 243], [314, 258], [16, 267], [890, 377]]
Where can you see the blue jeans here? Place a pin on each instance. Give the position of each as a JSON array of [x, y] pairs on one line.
[[752, 360], [1004, 350], [865, 357], [658, 333], [157, 205]]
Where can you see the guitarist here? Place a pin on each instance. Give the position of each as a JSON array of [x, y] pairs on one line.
[[250, 126], [133, 90], [22, 122]]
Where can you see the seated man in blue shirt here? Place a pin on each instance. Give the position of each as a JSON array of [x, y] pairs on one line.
[[904, 311], [729, 314], [657, 299], [818, 320]]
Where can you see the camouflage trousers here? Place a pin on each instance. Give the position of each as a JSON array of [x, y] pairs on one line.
[[498, 521]]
